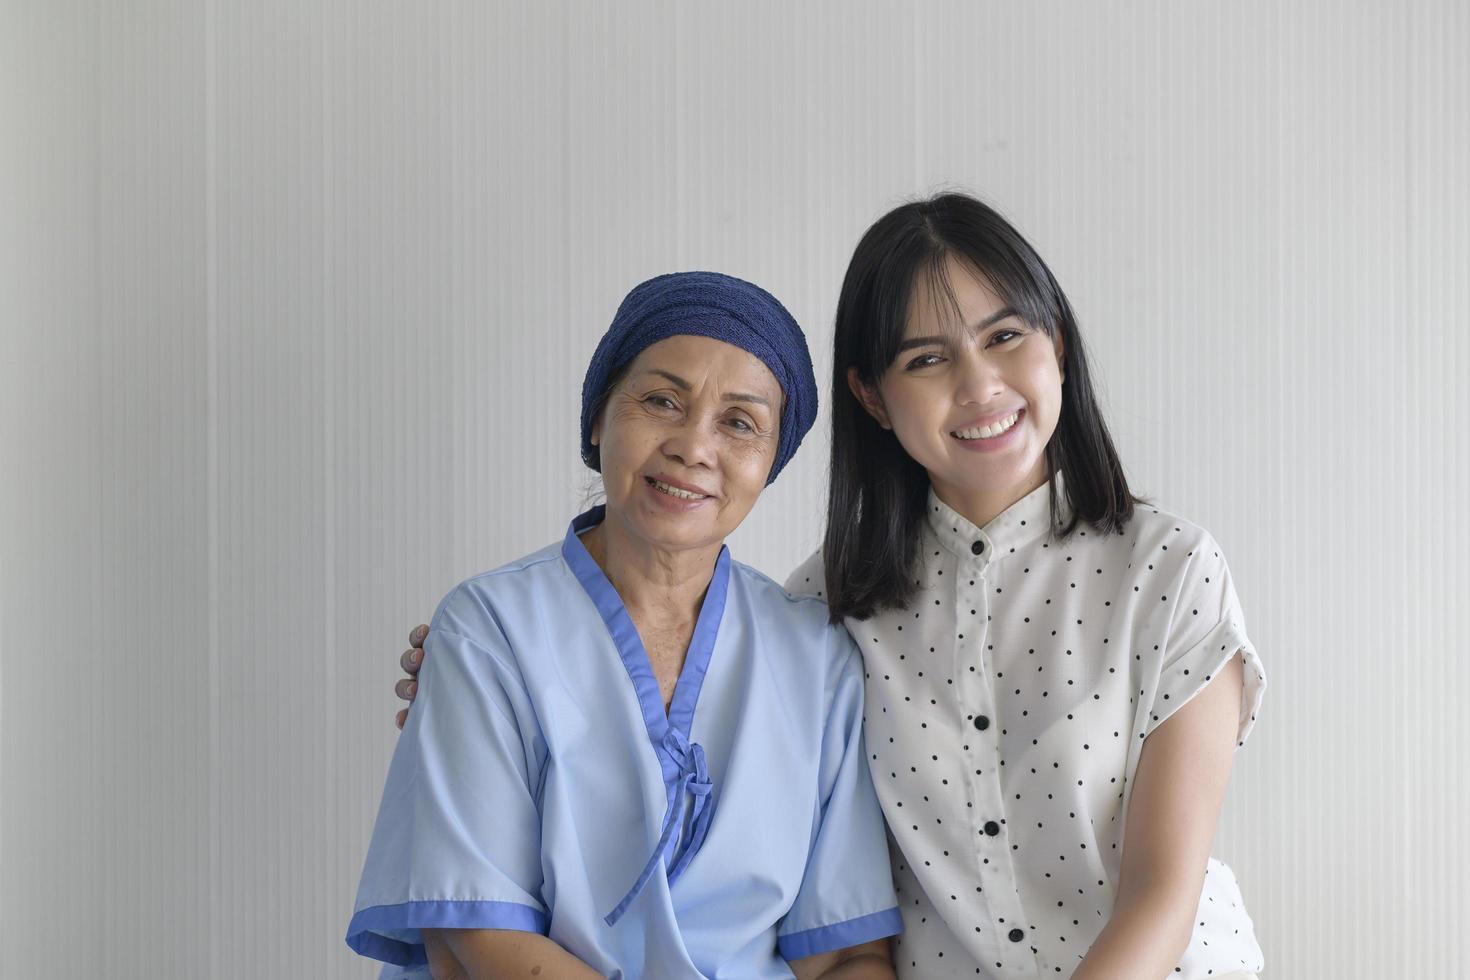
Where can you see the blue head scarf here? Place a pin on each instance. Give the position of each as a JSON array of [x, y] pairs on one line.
[[708, 304]]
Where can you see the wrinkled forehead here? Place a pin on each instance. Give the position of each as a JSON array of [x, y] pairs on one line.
[[705, 362]]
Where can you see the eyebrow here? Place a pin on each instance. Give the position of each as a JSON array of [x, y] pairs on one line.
[[990, 321], [733, 396]]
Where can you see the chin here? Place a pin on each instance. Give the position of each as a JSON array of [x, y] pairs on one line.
[[999, 476], [676, 529]]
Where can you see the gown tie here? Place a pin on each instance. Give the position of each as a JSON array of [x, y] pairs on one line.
[[691, 781]]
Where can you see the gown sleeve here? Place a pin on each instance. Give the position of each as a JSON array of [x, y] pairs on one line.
[[846, 896], [457, 839], [1206, 630]]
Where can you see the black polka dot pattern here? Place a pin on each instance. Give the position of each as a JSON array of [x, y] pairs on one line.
[[1006, 711]]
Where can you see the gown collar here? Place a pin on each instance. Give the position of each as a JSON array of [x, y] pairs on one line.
[[687, 781], [625, 636]]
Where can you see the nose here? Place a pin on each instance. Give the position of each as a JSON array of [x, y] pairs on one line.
[[978, 380], [693, 443]]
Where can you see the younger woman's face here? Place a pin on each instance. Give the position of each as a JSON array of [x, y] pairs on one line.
[[974, 398]]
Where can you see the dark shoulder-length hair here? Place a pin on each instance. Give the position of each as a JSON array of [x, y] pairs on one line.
[[877, 492]]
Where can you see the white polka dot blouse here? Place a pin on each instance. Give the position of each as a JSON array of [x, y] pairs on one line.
[[1006, 708]]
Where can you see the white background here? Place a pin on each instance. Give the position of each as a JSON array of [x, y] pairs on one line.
[[296, 297]]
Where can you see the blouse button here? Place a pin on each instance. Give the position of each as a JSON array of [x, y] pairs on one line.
[[977, 547], [1016, 935], [982, 722], [992, 828]]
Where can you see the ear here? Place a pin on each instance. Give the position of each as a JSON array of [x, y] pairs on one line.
[[596, 437], [867, 396], [1060, 347]]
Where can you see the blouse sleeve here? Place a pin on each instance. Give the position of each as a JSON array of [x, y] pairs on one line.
[[457, 839], [808, 579], [1207, 628], [846, 896]]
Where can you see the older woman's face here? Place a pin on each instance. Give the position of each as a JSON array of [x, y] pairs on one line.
[[687, 439]]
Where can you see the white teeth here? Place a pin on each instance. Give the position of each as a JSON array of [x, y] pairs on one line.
[[988, 431], [676, 492]]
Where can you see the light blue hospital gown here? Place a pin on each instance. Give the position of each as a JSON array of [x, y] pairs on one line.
[[539, 786]]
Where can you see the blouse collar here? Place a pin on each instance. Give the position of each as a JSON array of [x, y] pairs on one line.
[[1018, 525]]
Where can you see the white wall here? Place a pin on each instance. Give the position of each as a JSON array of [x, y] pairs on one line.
[[295, 298]]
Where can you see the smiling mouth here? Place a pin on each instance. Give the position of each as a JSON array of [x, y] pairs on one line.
[[990, 431], [674, 492]]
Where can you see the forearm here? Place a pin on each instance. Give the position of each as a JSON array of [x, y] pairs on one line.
[[1144, 938], [1178, 788], [496, 954]]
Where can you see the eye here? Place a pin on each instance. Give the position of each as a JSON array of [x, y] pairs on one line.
[[741, 425], [661, 401], [1004, 336], [923, 361]]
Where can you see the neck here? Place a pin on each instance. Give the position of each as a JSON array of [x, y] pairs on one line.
[[980, 507], [668, 585]]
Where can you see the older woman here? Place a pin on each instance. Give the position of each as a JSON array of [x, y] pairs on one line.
[[630, 755]]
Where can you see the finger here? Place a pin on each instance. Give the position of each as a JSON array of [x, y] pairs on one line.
[[406, 689], [411, 660], [416, 636], [401, 718]]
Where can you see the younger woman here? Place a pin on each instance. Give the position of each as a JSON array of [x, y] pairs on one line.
[[1057, 674]]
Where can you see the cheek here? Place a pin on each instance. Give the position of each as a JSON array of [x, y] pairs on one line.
[[756, 458], [1049, 383], [914, 412], [1046, 397], [747, 463], [624, 446]]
